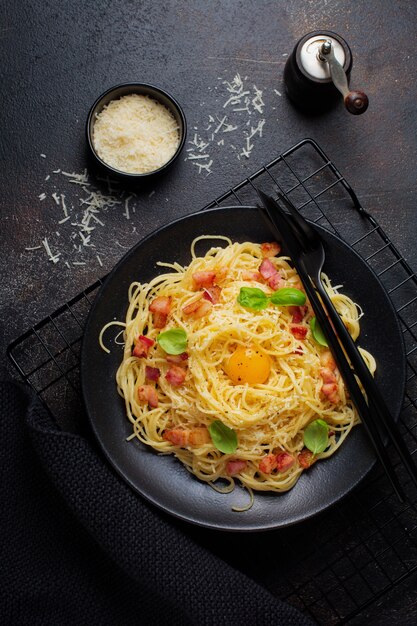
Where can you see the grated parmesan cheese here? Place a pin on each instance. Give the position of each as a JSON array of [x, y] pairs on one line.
[[135, 134], [240, 119], [82, 202]]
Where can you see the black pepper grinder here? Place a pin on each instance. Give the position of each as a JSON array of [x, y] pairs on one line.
[[317, 70]]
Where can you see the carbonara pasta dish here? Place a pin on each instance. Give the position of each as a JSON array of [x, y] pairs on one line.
[[226, 367]]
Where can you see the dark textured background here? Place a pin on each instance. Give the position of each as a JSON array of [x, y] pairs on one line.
[[58, 57]]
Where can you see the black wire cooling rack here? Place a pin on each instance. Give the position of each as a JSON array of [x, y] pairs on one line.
[[336, 566]]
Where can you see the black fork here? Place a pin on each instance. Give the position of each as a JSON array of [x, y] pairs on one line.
[[307, 252], [314, 258]]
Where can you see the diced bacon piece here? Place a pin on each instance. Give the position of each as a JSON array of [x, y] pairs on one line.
[[147, 394], [142, 346], [152, 373], [251, 275], [147, 341], [284, 461], [327, 375], [177, 436], [197, 309], [183, 437], [330, 387], [191, 308], [176, 375], [270, 249], [276, 281], [161, 304], [212, 294], [159, 320], [270, 273], [177, 358], [327, 360], [305, 458], [203, 279], [268, 463], [331, 391], [298, 330], [267, 269], [139, 351], [281, 461], [298, 313], [235, 466], [199, 436], [160, 307]]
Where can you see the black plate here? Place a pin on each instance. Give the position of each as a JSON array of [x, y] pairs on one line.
[[162, 479]]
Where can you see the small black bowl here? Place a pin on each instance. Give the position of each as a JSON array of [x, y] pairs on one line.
[[114, 93]]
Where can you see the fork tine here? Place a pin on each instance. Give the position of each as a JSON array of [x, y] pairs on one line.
[[268, 221], [285, 229], [303, 228]]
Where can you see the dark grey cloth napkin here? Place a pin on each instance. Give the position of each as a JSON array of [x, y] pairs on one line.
[[79, 547]]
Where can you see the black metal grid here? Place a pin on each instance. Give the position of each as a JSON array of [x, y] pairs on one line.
[[370, 539]]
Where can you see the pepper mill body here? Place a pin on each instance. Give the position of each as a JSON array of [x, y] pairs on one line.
[[308, 82]]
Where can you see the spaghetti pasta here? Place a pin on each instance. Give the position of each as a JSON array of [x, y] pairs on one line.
[[252, 377]]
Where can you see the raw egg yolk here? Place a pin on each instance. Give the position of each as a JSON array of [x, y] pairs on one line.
[[248, 365]]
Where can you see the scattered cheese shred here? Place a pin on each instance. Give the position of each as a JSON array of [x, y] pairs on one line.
[[135, 134], [243, 105], [51, 257], [82, 202]]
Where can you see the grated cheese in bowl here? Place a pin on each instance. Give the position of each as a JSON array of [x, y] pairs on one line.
[[136, 129]]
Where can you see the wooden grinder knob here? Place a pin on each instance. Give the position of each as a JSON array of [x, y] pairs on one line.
[[356, 102]]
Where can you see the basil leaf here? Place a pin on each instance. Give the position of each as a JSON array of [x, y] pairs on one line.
[[223, 437], [317, 332], [288, 296], [316, 436], [173, 341], [252, 298]]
